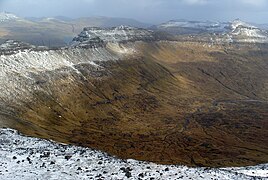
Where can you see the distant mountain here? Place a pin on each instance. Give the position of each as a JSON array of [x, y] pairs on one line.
[[59, 31], [53, 31], [109, 22], [61, 18], [4, 17], [234, 31], [244, 32], [179, 27]]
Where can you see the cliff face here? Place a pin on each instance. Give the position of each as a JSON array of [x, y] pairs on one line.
[[135, 97], [116, 34]]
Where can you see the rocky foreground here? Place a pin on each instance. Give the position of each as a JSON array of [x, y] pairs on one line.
[[31, 158]]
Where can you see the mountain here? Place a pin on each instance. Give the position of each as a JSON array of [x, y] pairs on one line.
[[53, 31], [129, 93], [116, 34], [244, 32], [59, 31], [59, 18], [109, 22], [235, 31], [4, 17], [191, 27]]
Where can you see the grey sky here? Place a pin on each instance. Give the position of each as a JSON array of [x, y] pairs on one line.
[[152, 11]]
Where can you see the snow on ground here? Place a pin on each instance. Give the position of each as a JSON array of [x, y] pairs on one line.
[[31, 158], [235, 31], [21, 62], [4, 16], [116, 34], [204, 25], [241, 28]]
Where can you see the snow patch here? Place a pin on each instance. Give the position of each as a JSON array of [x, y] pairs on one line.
[[224, 32], [32, 158], [204, 25], [240, 28], [20, 65], [4, 16]]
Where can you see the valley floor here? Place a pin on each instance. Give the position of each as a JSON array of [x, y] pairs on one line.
[[31, 158]]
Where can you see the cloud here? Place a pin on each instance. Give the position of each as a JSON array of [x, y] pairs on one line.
[[254, 2], [195, 2], [88, 1], [152, 11]]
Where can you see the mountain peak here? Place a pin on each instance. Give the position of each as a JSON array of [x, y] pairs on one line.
[[247, 32], [6, 16], [237, 23]]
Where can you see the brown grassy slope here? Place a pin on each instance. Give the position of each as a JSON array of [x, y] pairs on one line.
[[183, 111], [218, 72]]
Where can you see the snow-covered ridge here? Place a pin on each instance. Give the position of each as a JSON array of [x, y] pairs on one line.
[[211, 26], [238, 23], [242, 32], [12, 47], [234, 31], [32, 158], [94, 35], [203, 25], [4, 16], [240, 28]]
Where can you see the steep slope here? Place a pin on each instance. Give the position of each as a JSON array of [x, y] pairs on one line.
[[132, 96]]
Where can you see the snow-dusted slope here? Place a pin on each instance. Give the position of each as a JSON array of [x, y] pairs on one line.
[[12, 47], [117, 34], [239, 27], [7, 17], [244, 32], [234, 31], [20, 62], [22, 65], [203, 25], [31, 158]]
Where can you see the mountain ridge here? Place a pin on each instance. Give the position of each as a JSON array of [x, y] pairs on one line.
[[59, 31], [5, 16], [169, 102], [225, 32], [55, 32]]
